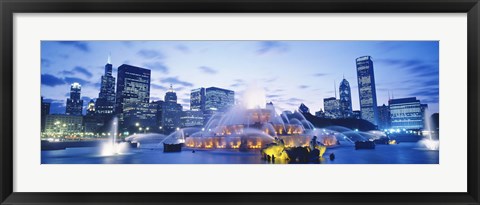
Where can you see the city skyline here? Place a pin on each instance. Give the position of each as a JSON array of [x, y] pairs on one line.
[[188, 65]]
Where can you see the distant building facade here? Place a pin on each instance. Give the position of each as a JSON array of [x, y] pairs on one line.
[[192, 118], [141, 114], [345, 99], [303, 109], [407, 113], [133, 88], [91, 122], [332, 108], [366, 89], [197, 99], [217, 100], [384, 120], [74, 103], [171, 111], [45, 110], [357, 114], [63, 124], [320, 114]]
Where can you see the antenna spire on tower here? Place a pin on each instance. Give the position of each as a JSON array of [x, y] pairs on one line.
[[108, 59], [335, 88]]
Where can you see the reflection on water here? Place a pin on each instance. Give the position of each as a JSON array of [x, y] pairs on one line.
[[403, 153]]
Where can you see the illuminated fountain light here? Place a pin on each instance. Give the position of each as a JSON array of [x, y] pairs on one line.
[[112, 147], [429, 142], [253, 125]]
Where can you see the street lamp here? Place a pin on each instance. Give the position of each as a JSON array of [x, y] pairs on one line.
[[137, 124]]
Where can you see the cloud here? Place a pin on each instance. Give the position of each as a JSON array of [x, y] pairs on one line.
[[127, 44], [320, 74], [295, 99], [56, 106], [76, 70], [50, 80], [71, 80], [150, 54], [303, 86], [388, 46], [156, 86], [83, 70], [45, 62], [270, 80], [416, 67], [273, 96], [86, 100], [175, 80], [157, 66], [97, 85], [425, 92], [238, 83], [183, 48], [271, 47], [80, 45], [207, 70], [67, 72]]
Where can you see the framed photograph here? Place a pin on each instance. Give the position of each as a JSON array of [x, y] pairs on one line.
[[258, 102]]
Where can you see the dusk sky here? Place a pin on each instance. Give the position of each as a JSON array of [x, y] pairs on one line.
[[291, 72]]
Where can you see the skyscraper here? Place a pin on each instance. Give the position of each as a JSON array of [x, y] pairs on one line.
[[197, 99], [192, 118], [303, 109], [141, 114], [91, 122], [44, 112], [345, 99], [383, 117], [218, 99], [133, 86], [366, 89], [74, 103], [407, 113], [105, 104], [171, 111], [331, 107]]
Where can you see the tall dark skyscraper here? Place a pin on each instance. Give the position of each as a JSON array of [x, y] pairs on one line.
[[345, 99], [105, 104], [171, 111], [133, 87], [197, 99], [366, 89], [44, 112], [74, 103]]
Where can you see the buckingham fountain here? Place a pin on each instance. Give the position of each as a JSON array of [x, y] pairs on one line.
[[255, 126]]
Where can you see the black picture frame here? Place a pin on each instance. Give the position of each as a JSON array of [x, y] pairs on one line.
[[10, 7]]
